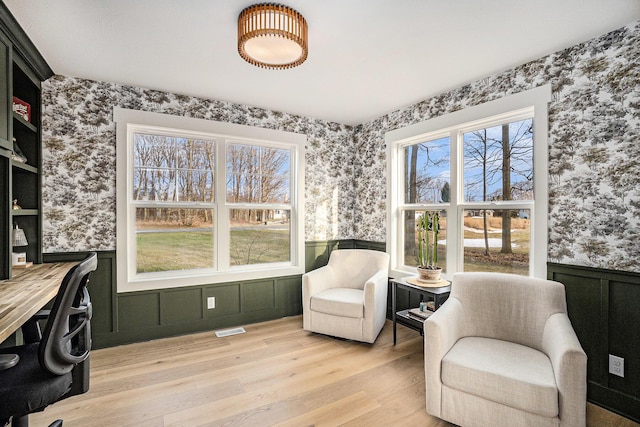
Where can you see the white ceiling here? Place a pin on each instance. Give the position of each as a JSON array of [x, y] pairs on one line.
[[366, 57]]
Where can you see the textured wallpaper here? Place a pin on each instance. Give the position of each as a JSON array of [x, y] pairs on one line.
[[594, 148], [79, 147], [594, 153]]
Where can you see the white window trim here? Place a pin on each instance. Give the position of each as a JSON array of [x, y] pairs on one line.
[[524, 103], [127, 280]]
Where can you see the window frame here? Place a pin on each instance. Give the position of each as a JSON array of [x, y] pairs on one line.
[[129, 121], [531, 103]]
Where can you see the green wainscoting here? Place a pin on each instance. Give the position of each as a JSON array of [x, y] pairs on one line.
[[140, 316], [604, 308], [145, 315], [317, 252]]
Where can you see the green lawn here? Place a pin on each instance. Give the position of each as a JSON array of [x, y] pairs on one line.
[[256, 246], [175, 250], [184, 250], [516, 262]]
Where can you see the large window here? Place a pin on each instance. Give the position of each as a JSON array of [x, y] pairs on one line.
[[204, 202], [259, 195], [173, 195], [484, 171]]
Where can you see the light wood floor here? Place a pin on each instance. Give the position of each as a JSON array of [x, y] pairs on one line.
[[275, 374]]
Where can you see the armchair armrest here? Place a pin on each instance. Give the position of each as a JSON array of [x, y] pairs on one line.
[[317, 281], [375, 299], [375, 302], [375, 290], [313, 282], [441, 331], [569, 362]]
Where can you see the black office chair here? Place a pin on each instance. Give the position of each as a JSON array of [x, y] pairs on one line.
[[53, 365]]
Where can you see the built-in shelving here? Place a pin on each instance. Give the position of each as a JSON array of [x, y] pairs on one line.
[[25, 167], [25, 212], [22, 69], [22, 122]]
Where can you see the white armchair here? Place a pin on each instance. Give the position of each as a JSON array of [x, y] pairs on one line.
[[347, 298], [501, 351]]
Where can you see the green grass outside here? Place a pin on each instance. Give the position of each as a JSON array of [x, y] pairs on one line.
[[256, 246], [185, 250], [169, 251], [516, 262], [181, 250]]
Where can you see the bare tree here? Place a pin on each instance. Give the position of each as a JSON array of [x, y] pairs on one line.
[[498, 159], [257, 175], [410, 165], [479, 153], [422, 185]]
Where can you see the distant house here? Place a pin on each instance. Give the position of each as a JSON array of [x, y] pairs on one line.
[[478, 212]]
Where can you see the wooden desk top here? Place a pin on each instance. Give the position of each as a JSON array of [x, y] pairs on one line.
[[27, 292]]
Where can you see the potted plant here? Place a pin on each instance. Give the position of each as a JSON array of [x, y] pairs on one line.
[[428, 226]]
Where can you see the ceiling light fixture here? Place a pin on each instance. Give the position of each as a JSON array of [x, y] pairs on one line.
[[272, 36]]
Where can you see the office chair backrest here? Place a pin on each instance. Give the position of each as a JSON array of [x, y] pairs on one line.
[[66, 340]]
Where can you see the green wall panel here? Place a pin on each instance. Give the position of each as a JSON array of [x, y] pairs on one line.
[[624, 336], [227, 300], [365, 244], [317, 252], [138, 310], [289, 295], [181, 305], [584, 305], [258, 295], [316, 255], [102, 288], [603, 308]]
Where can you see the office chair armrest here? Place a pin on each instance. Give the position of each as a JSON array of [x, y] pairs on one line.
[[8, 361]]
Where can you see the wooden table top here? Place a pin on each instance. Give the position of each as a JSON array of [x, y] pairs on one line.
[[27, 292]]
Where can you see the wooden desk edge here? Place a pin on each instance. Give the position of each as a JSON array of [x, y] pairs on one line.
[[27, 292]]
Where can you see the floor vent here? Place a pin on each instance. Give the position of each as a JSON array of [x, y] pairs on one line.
[[229, 332]]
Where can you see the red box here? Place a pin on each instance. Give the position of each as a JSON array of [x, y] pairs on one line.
[[22, 108]]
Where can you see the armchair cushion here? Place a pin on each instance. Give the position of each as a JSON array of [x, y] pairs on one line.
[[476, 366], [346, 302]]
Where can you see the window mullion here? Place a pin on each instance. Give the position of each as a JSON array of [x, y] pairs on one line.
[[455, 232], [222, 235]]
